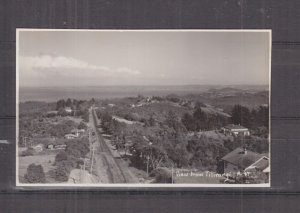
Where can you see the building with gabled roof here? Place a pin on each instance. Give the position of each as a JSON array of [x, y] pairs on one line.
[[240, 159], [236, 130], [71, 136], [259, 165]]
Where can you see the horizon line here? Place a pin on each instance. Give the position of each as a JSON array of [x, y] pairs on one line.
[[148, 85]]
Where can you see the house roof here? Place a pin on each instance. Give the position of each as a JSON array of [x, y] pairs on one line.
[[260, 164], [233, 126], [54, 112], [70, 135], [57, 141], [267, 170], [241, 159]]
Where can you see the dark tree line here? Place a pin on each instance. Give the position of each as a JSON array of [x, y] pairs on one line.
[[201, 120], [73, 103], [79, 107], [250, 118]]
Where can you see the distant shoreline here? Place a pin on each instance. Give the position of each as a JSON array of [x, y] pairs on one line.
[[52, 94]]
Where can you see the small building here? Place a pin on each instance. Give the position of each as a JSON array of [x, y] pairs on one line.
[[50, 146], [56, 146], [77, 132], [60, 146], [81, 130], [68, 110], [52, 113], [239, 160], [38, 148], [71, 136], [236, 130]]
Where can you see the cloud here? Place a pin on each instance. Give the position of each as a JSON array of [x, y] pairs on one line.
[[127, 70], [48, 68], [58, 62]]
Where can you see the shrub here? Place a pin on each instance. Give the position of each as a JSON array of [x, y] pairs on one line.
[[28, 152], [162, 175], [82, 125], [63, 169], [35, 174], [77, 147], [62, 155], [61, 174]]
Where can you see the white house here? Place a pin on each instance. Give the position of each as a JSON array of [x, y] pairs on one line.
[[111, 105], [236, 130], [77, 132], [68, 110], [71, 136]]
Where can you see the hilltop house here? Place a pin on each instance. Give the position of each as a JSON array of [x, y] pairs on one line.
[[111, 105], [77, 132], [244, 160], [235, 130], [68, 110], [71, 136]]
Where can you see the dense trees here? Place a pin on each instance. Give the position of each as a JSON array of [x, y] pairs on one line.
[[70, 158], [188, 122], [61, 156], [165, 142], [241, 115], [77, 147], [252, 119], [201, 120], [82, 125], [145, 154], [205, 151], [35, 174], [60, 104], [253, 143], [59, 130], [68, 102], [79, 107]]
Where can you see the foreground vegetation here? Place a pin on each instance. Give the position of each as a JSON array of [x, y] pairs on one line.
[[156, 134]]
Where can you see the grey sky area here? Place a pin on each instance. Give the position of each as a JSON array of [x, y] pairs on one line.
[[96, 58]]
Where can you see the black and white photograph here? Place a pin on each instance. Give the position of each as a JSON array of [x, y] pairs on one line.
[[143, 108]]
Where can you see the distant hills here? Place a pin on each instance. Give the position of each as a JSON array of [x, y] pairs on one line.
[[50, 94]]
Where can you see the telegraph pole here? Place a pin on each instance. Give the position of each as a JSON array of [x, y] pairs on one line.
[[24, 141], [80, 174], [93, 152], [84, 165], [148, 165], [172, 174]]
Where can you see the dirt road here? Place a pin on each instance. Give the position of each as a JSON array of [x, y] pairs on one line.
[[108, 168]]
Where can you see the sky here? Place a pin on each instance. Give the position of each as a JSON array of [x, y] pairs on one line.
[[101, 58]]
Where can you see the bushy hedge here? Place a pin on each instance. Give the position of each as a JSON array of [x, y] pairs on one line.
[[35, 174]]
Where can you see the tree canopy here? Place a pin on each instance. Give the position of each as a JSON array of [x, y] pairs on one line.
[[35, 174]]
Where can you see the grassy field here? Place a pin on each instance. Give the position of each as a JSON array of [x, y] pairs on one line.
[[45, 160]]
